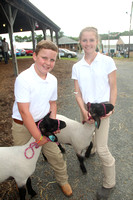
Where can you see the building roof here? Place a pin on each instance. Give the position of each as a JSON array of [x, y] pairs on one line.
[[112, 42], [125, 40], [66, 40], [22, 11]]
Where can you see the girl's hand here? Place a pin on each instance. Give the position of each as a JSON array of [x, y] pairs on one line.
[[55, 132], [87, 117], [90, 119], [108, 115]]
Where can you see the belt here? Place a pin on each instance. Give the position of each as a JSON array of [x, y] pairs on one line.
[[21, 122], [18, 121]]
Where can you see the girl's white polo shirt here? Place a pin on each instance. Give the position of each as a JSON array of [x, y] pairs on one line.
[[93, 79]]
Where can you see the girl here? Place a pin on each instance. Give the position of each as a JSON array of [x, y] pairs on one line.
[[95, 82]]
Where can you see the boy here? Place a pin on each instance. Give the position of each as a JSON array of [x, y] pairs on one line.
[[35, 96]]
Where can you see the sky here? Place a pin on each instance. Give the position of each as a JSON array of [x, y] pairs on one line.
[[74, 15]]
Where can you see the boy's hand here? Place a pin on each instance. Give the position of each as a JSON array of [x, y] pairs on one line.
[[43, 141]]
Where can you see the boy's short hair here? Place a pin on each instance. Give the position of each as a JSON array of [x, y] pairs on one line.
[[45, 44]]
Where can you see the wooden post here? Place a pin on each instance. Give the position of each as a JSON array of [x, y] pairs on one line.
[[51, 33], [11, 15], [32, 24], [44, 32], [56, 35]]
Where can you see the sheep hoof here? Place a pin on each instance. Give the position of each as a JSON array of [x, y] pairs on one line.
[[33, 194], [44, 156], [84, 171], [61, 148]]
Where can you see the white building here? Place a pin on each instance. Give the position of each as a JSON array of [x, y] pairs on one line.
[[109, 46]]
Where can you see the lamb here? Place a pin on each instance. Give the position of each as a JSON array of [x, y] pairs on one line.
[[19, 162], [77, 135]]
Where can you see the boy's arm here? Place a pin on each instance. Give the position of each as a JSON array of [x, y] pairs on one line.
[[29, 122]]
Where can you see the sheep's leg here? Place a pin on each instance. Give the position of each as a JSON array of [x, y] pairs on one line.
[[29, 188], [82, 166], [88, 152], [61, 148], [44, 156], [22, 192]]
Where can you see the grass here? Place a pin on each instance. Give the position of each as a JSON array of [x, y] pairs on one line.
[[73, 59], [23, 57], [122, 58], [76, 59]]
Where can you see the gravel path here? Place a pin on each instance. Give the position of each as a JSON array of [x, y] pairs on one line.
[[120, 144]]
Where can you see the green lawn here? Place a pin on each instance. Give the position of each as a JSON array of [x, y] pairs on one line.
[[76, 59]]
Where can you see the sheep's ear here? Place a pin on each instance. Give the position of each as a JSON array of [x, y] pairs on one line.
[[62, 124], [48, 114], [109, 107], [46, 118]]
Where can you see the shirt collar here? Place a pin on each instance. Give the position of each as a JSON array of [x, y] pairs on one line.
[[97, 58], [38, 77]]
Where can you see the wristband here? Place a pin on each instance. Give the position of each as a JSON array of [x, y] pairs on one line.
[[40, 140]]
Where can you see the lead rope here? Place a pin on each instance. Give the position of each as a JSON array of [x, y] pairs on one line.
[[89, 117], [104, 109], [33, 144]]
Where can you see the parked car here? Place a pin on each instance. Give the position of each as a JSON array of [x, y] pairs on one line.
[[29, 52], [9, 53], [67, 53], [20, 52]]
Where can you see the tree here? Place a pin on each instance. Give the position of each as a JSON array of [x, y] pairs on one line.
[[60, 34]]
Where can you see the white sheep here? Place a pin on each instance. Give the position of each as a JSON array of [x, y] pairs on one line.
[[77, 135], [14, 163], [19, 162]]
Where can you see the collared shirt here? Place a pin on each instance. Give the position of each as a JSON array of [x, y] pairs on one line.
[[30, 88], [93, 79]]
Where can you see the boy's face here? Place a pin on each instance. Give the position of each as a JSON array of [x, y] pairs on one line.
[[44, 61]]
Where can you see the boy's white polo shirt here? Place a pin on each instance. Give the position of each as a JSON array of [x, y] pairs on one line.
[[30, 88], [93, 78]]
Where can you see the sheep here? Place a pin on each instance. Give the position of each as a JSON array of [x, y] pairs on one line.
[[19, 162], [77, 135]]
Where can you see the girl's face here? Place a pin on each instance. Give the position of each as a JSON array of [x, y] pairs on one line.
[[88, 42], [44, 62]]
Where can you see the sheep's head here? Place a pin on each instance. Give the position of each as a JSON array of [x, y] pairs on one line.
[[98, 110], [48, 125]]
